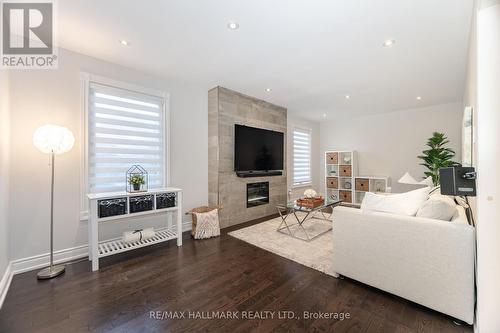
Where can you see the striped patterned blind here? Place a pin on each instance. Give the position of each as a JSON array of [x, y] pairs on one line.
[[125, 128], [301, 157]]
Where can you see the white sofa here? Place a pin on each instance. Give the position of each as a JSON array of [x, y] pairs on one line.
[[427, 261]]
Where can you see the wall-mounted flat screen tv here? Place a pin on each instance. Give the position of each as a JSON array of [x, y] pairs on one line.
[[257, 149]]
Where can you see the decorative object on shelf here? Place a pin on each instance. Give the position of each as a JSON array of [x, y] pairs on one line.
[[437, 156], [53, 140], [205, 222], [379, 185], [347, 184], [334, 196], [333, 172], [310, 193], [138, 235], [347, 159], [137, 179]]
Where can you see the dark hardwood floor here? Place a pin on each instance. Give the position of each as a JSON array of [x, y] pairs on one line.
[[136, 291]]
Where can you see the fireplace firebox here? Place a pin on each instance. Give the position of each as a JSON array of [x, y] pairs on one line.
[[257, 194]]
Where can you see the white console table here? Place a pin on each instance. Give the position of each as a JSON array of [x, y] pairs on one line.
[[120, 205]]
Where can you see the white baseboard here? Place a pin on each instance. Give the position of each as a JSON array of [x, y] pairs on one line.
[[5, 283], [186, 226], [43, 260]]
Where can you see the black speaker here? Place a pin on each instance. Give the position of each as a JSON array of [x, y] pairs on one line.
[[458, 181]]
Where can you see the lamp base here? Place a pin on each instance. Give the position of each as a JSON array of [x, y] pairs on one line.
[[50, 272]]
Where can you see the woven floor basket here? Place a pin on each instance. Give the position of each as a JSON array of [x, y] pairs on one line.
[[202, 209]]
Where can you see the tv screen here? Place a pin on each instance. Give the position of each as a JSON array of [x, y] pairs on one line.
[[257, 149]]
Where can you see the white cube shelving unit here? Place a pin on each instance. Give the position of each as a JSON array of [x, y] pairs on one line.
[[342, 181], [363, 184], [340, 170]]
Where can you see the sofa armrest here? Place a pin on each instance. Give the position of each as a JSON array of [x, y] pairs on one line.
[[427, 261]]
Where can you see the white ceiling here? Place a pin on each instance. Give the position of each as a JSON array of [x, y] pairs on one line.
[[311, 53]]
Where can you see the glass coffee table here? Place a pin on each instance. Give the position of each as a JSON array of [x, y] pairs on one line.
[[305, 214]]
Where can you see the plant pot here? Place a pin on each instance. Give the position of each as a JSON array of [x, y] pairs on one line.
[[137, 187]]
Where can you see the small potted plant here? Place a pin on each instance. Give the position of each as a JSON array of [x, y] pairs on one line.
[[136, 181]]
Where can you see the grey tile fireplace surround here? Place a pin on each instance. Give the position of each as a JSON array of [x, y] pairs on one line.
[[225, 109]]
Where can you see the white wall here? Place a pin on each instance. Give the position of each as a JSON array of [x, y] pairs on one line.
[[293, 122], [4, 171], [54, 96], [470, 92], [488, 161], [388, 144]]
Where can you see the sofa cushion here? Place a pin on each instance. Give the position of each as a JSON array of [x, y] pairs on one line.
[[439, 207], [402, 203]]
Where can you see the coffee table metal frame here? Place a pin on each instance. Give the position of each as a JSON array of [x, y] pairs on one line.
[[311, 213]]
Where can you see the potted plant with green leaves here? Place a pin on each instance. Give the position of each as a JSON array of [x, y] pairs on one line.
[[437, 156], [136, 180]]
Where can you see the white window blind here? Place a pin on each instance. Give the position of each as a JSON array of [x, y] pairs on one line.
[[301, 156], [124, 128]]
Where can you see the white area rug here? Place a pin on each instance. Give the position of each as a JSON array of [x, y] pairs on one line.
[[316, 254]]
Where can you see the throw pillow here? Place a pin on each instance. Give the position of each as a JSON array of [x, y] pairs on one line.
[[402, 203], [439, 207]]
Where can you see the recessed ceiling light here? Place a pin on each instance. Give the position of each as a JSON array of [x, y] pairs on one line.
[[124, 42], [324, 115], [233, 25], [347, 96], [389, 43], [268, 89], [419, 98]]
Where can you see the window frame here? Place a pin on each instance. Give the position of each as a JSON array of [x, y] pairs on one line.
[[86, 79], [309, 182]]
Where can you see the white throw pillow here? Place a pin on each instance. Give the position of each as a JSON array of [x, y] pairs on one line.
[[402, 203], [439, 207]]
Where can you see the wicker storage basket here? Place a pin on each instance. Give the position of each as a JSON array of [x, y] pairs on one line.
[[202, 209]]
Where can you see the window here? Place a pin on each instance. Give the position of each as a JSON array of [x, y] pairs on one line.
[[124, 128], [301, 157]]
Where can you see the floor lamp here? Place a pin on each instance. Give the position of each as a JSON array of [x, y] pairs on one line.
[[53, 140]]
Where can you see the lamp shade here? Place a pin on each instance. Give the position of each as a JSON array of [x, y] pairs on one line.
[[53, 138], [407, 179]]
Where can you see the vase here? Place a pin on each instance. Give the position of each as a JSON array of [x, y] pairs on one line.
[[137, 187]]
